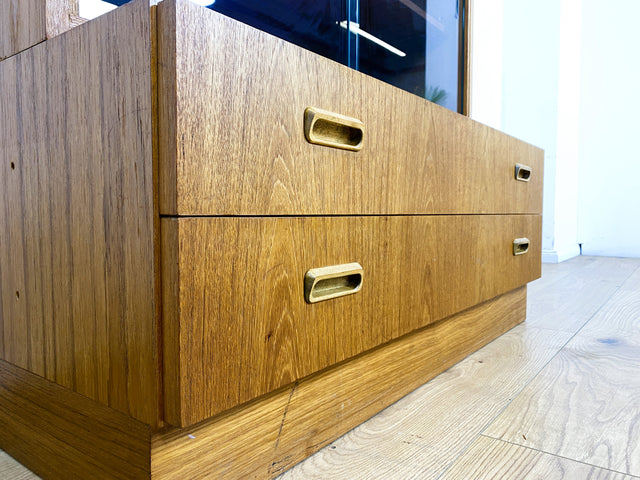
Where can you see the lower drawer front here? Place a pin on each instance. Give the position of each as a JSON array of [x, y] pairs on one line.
[[236, 323]]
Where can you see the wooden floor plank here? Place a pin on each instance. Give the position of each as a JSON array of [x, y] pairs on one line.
[[556, 272], [488, 459], [568, 295], [566, 306], [584, 269], [10, 469], [425, 431], [633, 282], [619, 318], [611, 269], [585, 404]]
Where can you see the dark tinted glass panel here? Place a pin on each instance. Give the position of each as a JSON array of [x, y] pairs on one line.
[[412, 44], [311, 24], [390, 41]]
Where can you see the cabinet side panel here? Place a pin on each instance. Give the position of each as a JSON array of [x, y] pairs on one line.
[[22, 25], [77, 225], [25, 23]]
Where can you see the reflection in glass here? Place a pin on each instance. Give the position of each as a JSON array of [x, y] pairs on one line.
[[427, 32], [310, 24]]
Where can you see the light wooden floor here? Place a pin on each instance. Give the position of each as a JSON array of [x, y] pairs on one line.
[[556, 397]]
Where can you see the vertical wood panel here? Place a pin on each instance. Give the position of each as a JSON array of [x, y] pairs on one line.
[[171, 331], [167, 104], [22, 25], [77, 230], [25, 23]]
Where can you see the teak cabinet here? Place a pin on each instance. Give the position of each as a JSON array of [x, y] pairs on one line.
[[169, 176]]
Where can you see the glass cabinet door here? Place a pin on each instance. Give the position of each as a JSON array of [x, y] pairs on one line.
[[416, 45], [412, 44], [310, 24]]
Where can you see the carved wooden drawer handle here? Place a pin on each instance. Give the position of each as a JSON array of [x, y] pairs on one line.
[[332, 129], [332, 282]]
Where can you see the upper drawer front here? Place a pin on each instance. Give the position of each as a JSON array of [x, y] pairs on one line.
[[232, 142], [236, 324]]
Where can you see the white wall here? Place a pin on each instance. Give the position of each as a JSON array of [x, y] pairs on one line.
[[609, 174], [486, 69], [565, 230]]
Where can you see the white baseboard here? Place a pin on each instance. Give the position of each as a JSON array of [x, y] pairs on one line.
[[557, 256]]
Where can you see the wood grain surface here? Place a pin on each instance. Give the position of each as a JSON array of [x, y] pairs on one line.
[[581, 288], [236, 322], [62, 435], [9, 468], [490, 459], [233, 138], [427, 432], [570, 305], [76, 212], [25, 23], [268, 436], [554, 275], [633, 281], [585, 404], [422, 434], [22, 25], [61, 15]]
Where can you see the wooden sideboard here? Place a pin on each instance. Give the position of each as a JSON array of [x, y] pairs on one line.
[[161, 204]]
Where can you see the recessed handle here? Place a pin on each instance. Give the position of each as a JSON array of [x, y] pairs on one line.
[[523, 173], [332, 282], [332, 129], [520, 246]]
